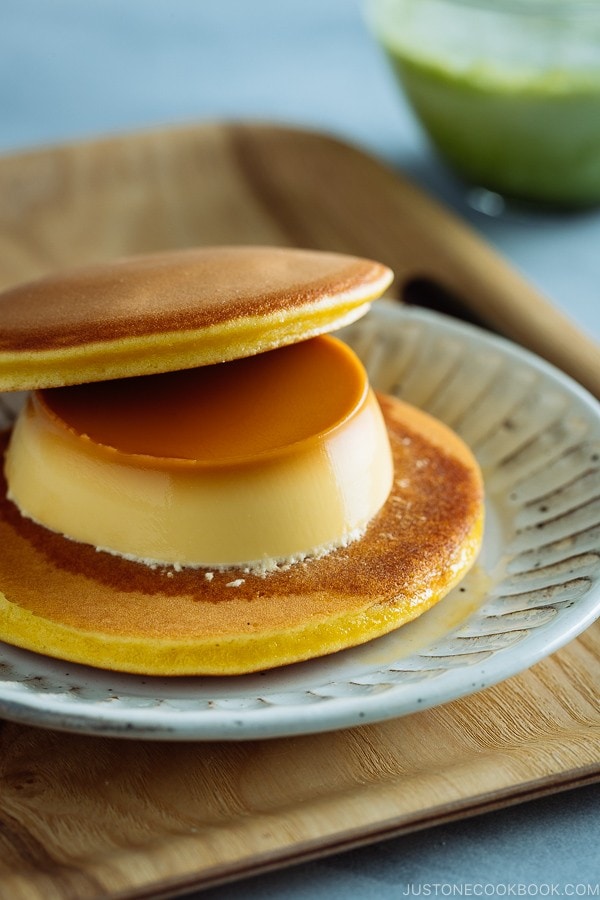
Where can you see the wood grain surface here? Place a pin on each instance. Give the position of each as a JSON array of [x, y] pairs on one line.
[[84, 817]]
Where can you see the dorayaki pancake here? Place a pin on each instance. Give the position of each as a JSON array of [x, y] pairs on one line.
[[64, 599], [176, 310]]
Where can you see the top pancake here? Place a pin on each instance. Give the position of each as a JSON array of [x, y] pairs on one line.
[[176, 310]]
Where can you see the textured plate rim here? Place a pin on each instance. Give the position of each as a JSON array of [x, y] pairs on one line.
[[38, 707]]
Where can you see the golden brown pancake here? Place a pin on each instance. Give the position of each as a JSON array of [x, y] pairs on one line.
[[64, 599], [176, 310]]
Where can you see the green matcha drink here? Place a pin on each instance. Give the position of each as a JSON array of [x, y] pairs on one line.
[[511, 100]]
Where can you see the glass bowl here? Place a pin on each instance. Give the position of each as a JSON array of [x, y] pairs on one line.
[[507, 90]]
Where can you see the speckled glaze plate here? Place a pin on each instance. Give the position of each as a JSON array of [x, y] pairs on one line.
[[535, 587]]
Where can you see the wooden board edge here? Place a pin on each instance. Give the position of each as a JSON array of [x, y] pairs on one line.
[[310, 851]]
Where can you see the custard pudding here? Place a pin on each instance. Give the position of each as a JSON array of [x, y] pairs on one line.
[[249, 463]]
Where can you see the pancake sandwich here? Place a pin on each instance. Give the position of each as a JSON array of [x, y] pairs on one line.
[[202, 480]]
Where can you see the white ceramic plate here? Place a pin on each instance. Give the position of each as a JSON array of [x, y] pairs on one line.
[[536, 586]]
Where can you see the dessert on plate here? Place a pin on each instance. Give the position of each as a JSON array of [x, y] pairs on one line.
[[202, 480]]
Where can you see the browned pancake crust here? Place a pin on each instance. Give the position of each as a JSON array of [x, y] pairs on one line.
[[426, 527], [171, 292]]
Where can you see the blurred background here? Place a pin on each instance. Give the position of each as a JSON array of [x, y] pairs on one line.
[[71, 70]]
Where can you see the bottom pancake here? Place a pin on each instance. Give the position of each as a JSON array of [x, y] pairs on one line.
[[67, 600]]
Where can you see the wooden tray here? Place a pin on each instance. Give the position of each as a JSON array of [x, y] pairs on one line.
[[98, 818]]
